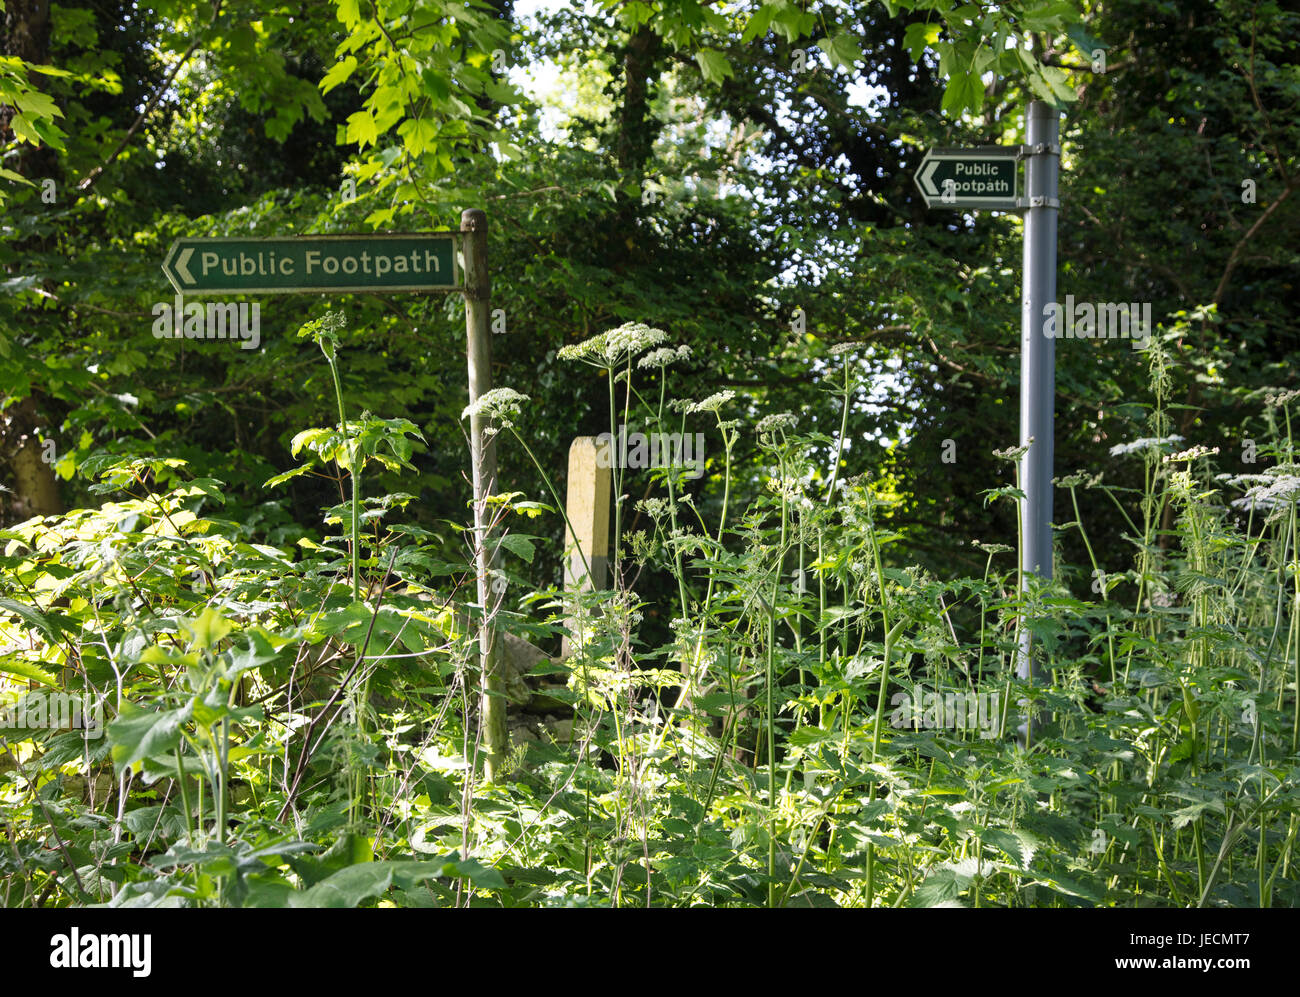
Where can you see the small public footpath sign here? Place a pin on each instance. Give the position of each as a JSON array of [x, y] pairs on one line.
[[423, 261], [983, 176]]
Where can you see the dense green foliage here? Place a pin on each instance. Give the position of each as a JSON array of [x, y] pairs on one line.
[[289, 693]]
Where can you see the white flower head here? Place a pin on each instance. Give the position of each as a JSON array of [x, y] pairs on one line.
[[629, 339], [791, 489], [664, 356], [1280, 494], [1145, 443], [615, 347], [839, 349], [499, 404], [1195, 453], [580, 351], [780, 421], [655, 508], [1282, 397], [713, 403], [1012, 453]]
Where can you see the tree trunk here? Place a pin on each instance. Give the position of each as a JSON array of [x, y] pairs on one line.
[[26, 36], [636, 128], [36, 489]]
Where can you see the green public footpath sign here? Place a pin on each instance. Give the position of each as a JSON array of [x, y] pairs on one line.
[[416, 261], [978, 177]]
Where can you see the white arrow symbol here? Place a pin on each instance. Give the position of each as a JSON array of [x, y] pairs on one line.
[[182, 266], [927, 181]]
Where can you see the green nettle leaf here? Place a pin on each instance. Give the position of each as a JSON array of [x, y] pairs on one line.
[[260, 651], [49, 624], [944, 884], [12, 665], [1019, 846], [1071, 887], [714, 65], [208, 629], [351, 885], [137, 733], [1183, 816], [518, 545]]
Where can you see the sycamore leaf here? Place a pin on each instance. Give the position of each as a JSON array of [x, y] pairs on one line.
[[38, 104], [714, 65], [418, 134], [843, 50], [47, 70], [338, 73], [362, 128], [759, 22], [24, 129], [964, 92], [917, 37]]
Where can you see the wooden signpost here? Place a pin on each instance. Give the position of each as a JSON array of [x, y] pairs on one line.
[[384, 263], [483, 456]]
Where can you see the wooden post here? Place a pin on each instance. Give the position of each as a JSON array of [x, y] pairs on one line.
[[478, 290], [587, 506]]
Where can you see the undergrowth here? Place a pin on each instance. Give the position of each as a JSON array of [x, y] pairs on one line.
[[827, 727]]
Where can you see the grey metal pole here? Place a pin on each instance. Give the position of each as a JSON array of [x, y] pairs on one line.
[[478, 291], [1038, 351]]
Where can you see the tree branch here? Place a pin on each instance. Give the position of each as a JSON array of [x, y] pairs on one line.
[[89, 180]]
